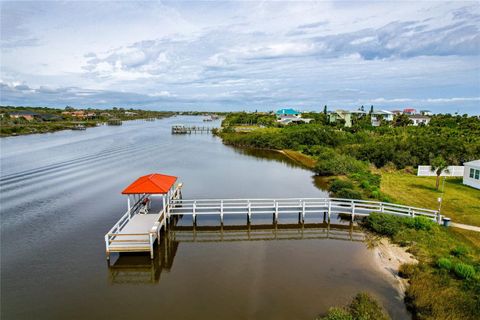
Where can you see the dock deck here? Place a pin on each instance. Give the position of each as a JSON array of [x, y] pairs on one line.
[[136, 231]]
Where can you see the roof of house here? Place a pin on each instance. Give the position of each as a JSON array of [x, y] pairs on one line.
[[154, 183], [475, 163], [287, 112], [382, 112], [23, 113]]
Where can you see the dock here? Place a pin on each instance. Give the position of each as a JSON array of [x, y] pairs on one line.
[[182, 129], [139, 229]]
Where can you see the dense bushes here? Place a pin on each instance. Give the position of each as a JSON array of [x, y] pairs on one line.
[[390, 225], [400, 146], [464, 271], [332, 163], [362, 307]]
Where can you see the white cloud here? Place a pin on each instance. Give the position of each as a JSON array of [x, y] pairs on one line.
[[238, 53]]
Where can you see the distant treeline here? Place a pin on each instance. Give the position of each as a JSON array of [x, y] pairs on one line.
[[28, 120], [455, 138], [350, 152]]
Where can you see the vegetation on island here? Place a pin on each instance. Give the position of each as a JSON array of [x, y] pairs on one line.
[[366, 162], [28, 120]]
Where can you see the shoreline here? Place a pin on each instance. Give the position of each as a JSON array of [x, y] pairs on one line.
[[388, 257]]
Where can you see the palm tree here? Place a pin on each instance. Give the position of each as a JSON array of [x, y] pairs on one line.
[[439, 165]]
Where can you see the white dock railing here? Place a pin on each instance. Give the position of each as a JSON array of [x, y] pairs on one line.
[[301, 206], [118, 241]]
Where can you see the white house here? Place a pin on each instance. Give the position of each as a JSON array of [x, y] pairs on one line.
[[471, 174], [378, 116], [418, 119]]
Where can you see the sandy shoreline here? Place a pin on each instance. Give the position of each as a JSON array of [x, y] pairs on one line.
[[388, 258]]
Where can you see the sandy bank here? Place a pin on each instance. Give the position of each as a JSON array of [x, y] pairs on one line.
[[388, 259]]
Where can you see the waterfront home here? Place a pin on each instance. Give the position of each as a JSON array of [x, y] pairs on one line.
[[418, 119], [378, 116], [409, 111], [288, 112], [345, 115], [471, 174], [27, 115], [50, 117], [286, 116]]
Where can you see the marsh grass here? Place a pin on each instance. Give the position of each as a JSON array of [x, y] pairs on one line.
[[446, 283]]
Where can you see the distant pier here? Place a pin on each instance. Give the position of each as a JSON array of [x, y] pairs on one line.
[[182, 129]]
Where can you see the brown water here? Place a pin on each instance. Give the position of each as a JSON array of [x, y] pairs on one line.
[[60, 193]]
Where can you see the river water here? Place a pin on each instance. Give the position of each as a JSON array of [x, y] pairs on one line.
[[60, 193]]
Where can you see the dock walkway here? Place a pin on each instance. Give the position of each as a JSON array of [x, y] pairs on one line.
[[182, 129], [138, 231]]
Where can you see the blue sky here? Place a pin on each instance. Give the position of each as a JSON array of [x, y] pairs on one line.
[[242, 55]]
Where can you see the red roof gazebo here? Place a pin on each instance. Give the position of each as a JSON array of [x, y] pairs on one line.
[[154, 183], [150, 185]]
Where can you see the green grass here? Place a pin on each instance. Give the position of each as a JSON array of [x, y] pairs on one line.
[[460, 203], [446, 282]]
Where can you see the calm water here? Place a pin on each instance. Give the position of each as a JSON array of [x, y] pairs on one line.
[[60, 193]]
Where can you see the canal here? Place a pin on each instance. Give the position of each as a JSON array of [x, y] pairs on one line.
[[60, 193]]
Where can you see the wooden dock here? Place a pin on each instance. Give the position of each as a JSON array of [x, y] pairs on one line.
[[137, 230], [301, 206], [182, 129]]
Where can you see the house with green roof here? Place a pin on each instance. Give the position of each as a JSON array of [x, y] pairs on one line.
[[288, 112]]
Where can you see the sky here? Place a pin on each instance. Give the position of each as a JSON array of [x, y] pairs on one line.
[[242, 55]]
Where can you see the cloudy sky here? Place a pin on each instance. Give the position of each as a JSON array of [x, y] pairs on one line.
[[240, 55]]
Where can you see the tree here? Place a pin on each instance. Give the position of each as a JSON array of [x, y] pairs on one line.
[[439, 165], [371, 109], [401, 120], [325, 110]]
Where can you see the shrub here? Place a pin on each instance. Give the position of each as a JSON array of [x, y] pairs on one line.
[[406, 270], [444, 263], [383, 224], [419, 223], [459, 251], [464, 271], [364, 307], [330, 162], [338, 185], [337, 314], [348, 194]]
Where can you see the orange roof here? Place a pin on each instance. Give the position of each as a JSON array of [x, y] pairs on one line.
[[151, 184]]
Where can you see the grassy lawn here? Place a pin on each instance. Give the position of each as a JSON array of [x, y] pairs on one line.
[[460, 203]]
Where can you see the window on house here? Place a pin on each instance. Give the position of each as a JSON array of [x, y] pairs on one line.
[[472, 172], [477, 174]]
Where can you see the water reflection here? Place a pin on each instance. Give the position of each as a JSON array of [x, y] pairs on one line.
[[138, 268]]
